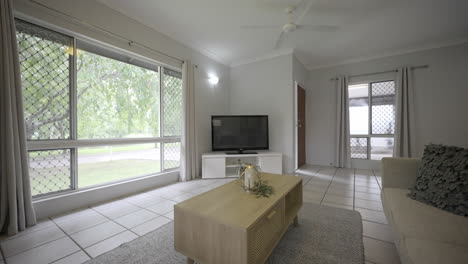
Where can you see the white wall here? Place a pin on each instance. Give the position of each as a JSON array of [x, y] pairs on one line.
[[266, 88], [441, 93], [82, 17], [300, 72]]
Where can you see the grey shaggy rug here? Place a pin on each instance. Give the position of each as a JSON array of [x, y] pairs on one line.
[[325, 235]]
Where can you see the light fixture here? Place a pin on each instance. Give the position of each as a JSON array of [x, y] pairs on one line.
[[213, 79]]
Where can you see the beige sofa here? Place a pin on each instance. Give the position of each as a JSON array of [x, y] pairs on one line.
[[422, 233]]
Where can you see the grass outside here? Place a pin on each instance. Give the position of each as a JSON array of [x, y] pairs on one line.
[[115, 149], [90, 174]]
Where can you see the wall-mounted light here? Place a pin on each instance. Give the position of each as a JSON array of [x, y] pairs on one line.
[[213, 79]]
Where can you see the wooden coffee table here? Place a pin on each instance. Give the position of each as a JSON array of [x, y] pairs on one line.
[[227, 225]]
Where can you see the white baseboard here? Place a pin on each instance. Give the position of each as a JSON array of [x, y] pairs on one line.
[[60, 204]]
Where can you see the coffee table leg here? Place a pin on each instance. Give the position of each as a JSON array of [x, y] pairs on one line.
[[190, 261], [296, 221]]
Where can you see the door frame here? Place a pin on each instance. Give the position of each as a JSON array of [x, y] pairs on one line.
[[295, 128]]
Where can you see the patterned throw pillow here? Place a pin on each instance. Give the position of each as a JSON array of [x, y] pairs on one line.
[[443, 179]]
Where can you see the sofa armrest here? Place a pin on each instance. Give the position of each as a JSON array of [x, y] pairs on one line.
[[399, 172]]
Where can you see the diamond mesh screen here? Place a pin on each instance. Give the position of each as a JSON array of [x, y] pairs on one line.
[[171, 155], [45, 75], [358, 148], [172, 103], [383, 107], [50, 171]]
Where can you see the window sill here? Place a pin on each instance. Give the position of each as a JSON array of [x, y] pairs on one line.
[[76, 199]]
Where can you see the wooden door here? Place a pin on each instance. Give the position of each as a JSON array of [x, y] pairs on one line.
[[301, 126]]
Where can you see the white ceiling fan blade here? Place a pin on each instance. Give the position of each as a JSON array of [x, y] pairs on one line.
[[307, 4], [261, 26], [280, 39], [319, 28]]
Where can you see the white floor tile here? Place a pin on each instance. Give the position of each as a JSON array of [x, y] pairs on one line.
[[110, 243], [310, 196], [75, 258], [151, 225], [366, 179], [163, 207], [144, 200], [338, 205], [95, 234], [46, 253], [340, 180], [342, 186], [82, 221], [39, 226], [168, 193], [73, 215], [340, 192], [17, 245], [117, 210], [366, 204], [135, 218], [315, 188], [367, 190], [318, 182], [183, 197], [329, 198], [380, 252], [368, 196], [170, 215], [372, 215], [201, 190], [377, 231], [368, 184]]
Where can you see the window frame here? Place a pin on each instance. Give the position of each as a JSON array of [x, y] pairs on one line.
[[73, 143], [370, 135]]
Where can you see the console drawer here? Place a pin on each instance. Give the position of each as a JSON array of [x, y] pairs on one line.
[[264, 234]]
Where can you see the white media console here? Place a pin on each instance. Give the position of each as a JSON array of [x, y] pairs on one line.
[[222, 165]]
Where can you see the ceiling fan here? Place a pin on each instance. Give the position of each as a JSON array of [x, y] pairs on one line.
[[293, 23]]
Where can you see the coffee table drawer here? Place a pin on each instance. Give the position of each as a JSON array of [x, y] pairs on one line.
[[264, 234]]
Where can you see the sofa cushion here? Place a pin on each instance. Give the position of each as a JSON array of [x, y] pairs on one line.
[[434, 252], [443, 179], [413, 219]]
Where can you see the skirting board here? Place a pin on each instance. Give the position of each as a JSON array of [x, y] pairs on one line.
[[80, 199]]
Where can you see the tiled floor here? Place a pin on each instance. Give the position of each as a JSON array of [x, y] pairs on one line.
[[357, 190], [80, 235]]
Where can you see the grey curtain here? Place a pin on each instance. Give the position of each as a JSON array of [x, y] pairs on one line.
[[404, 129], [342, 151], [188, 168], [16, 210]]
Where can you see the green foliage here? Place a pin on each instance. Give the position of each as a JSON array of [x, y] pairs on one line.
[[115, 99], [262, 189]]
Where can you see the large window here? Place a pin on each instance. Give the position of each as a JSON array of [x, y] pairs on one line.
[[372, 119], [93, 115]]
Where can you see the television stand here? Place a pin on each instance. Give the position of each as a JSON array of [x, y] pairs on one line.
[[240, 152], [223, 165]]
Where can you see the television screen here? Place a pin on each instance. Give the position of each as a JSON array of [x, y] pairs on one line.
[[239, 132]]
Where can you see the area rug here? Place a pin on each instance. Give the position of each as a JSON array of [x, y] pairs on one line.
[[325, 235]]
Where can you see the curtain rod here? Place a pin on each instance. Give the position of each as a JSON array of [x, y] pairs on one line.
[[129, 41], [394, 70]]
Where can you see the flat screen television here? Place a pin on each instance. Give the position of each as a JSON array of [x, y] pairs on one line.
[[239, 133]]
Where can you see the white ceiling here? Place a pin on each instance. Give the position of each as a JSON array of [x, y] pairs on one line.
[[367, 28]]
